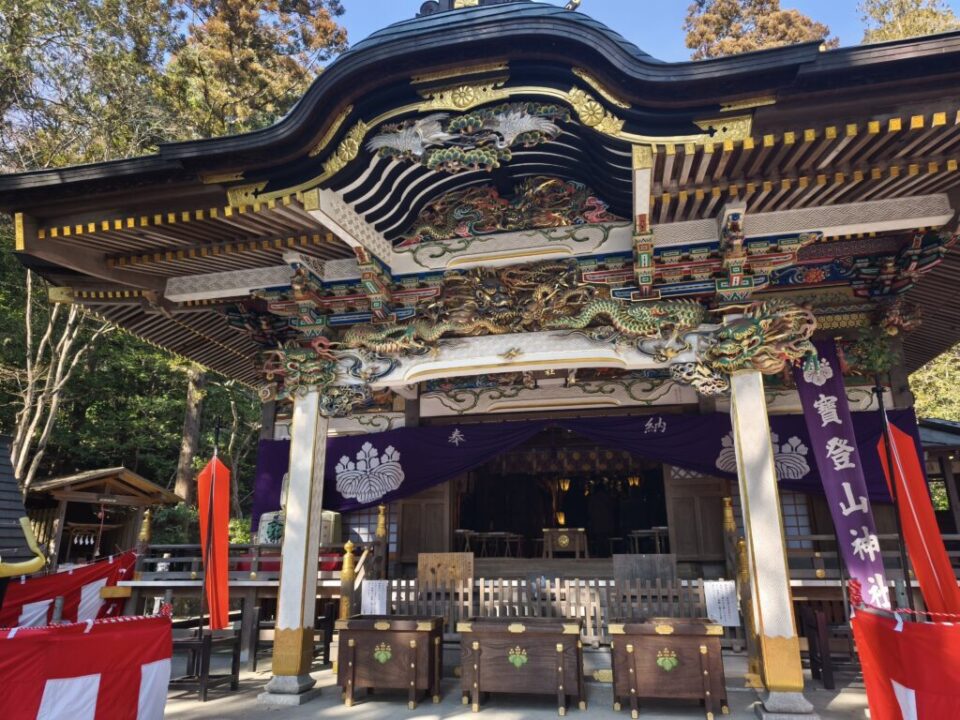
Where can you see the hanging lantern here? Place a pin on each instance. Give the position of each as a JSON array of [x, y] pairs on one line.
[[565, 484], [633, 481], [561, 518]]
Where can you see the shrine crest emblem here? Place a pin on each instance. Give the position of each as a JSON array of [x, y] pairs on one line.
[[790, 458], [371, 475]]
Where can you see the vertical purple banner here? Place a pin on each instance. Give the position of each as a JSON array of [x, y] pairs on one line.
[[834, 445]]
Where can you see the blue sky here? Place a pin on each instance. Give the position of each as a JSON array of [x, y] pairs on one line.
[[656, 26]]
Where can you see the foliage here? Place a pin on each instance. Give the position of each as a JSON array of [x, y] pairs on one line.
[[938, 495], [935, 387], [93, 80], [246, 62], [81, 80], [726, 27], [175, 525], [240, 531], [872, 353], [897, 19]]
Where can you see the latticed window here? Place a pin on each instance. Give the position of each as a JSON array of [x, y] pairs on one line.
[[361, 526]]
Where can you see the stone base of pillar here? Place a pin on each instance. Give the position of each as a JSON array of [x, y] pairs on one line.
[[785, 706], [289, 690]]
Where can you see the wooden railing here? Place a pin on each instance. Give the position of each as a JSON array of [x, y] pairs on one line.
[[815, 557], [245, 562], [596, 601]]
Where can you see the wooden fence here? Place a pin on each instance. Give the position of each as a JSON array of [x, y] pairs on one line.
[[596, 602]]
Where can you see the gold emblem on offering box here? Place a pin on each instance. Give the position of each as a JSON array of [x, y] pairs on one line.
[[563, 540]]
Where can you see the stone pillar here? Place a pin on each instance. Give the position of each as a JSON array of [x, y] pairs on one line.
[[772, 604], [291, 683]]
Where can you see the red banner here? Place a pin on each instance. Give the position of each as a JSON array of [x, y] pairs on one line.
[[911, 670], [213, 486], [114, 669], [29, 601], [928, 556]]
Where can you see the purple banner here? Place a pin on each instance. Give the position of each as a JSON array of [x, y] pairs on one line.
[[425, 456], [836, 451]]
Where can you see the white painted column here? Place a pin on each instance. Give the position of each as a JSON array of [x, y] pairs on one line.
[[291, 683], [773, 619]]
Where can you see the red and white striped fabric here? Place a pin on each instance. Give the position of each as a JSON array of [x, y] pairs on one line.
[[911, 669], [114, 669], [29, 601]]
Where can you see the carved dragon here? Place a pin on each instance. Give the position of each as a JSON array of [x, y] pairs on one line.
[[768, 336], [665, 320]]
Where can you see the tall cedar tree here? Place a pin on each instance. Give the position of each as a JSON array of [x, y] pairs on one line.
[[246, 62], [726, 27], [897, 19], [93, 80]]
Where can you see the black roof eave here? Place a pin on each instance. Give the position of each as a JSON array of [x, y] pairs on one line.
[[494, 31]]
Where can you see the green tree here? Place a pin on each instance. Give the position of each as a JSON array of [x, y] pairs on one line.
[[246, 62], [897, 19], [93, 80], [935, 387], [726, 27]]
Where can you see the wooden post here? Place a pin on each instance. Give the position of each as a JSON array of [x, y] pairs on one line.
[[291, 683], [58, 536], [347, 576], [771, 597], [381, 544], [752, 676]]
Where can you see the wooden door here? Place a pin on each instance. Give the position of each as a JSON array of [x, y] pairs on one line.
[[424, 523], [695, 515]]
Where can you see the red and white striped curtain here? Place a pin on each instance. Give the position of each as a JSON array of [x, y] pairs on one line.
[[113, 669], [29, 600]]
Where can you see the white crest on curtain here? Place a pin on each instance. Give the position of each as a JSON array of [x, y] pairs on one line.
[[790, 458], [818, 375], [372, 475]]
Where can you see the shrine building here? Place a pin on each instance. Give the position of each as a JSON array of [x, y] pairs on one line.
[[542, 295]]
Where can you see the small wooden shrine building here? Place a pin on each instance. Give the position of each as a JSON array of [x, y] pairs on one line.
[[92, 513], [508, 211]]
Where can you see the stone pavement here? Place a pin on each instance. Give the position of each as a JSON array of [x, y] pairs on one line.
[[846, 703]]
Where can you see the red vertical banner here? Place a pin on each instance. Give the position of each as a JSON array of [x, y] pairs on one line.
[[213, 486], [929, 558]]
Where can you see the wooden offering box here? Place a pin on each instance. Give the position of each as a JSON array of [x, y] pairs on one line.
[[381, 652], [522, 655], [668, 658]]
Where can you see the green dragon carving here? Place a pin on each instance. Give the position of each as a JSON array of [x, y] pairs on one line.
[[768, 336], [665, 320], [415, 337]]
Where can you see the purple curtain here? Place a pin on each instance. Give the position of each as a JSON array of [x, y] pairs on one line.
[[364, 470]]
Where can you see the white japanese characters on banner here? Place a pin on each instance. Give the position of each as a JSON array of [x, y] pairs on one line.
[[827, 415]]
